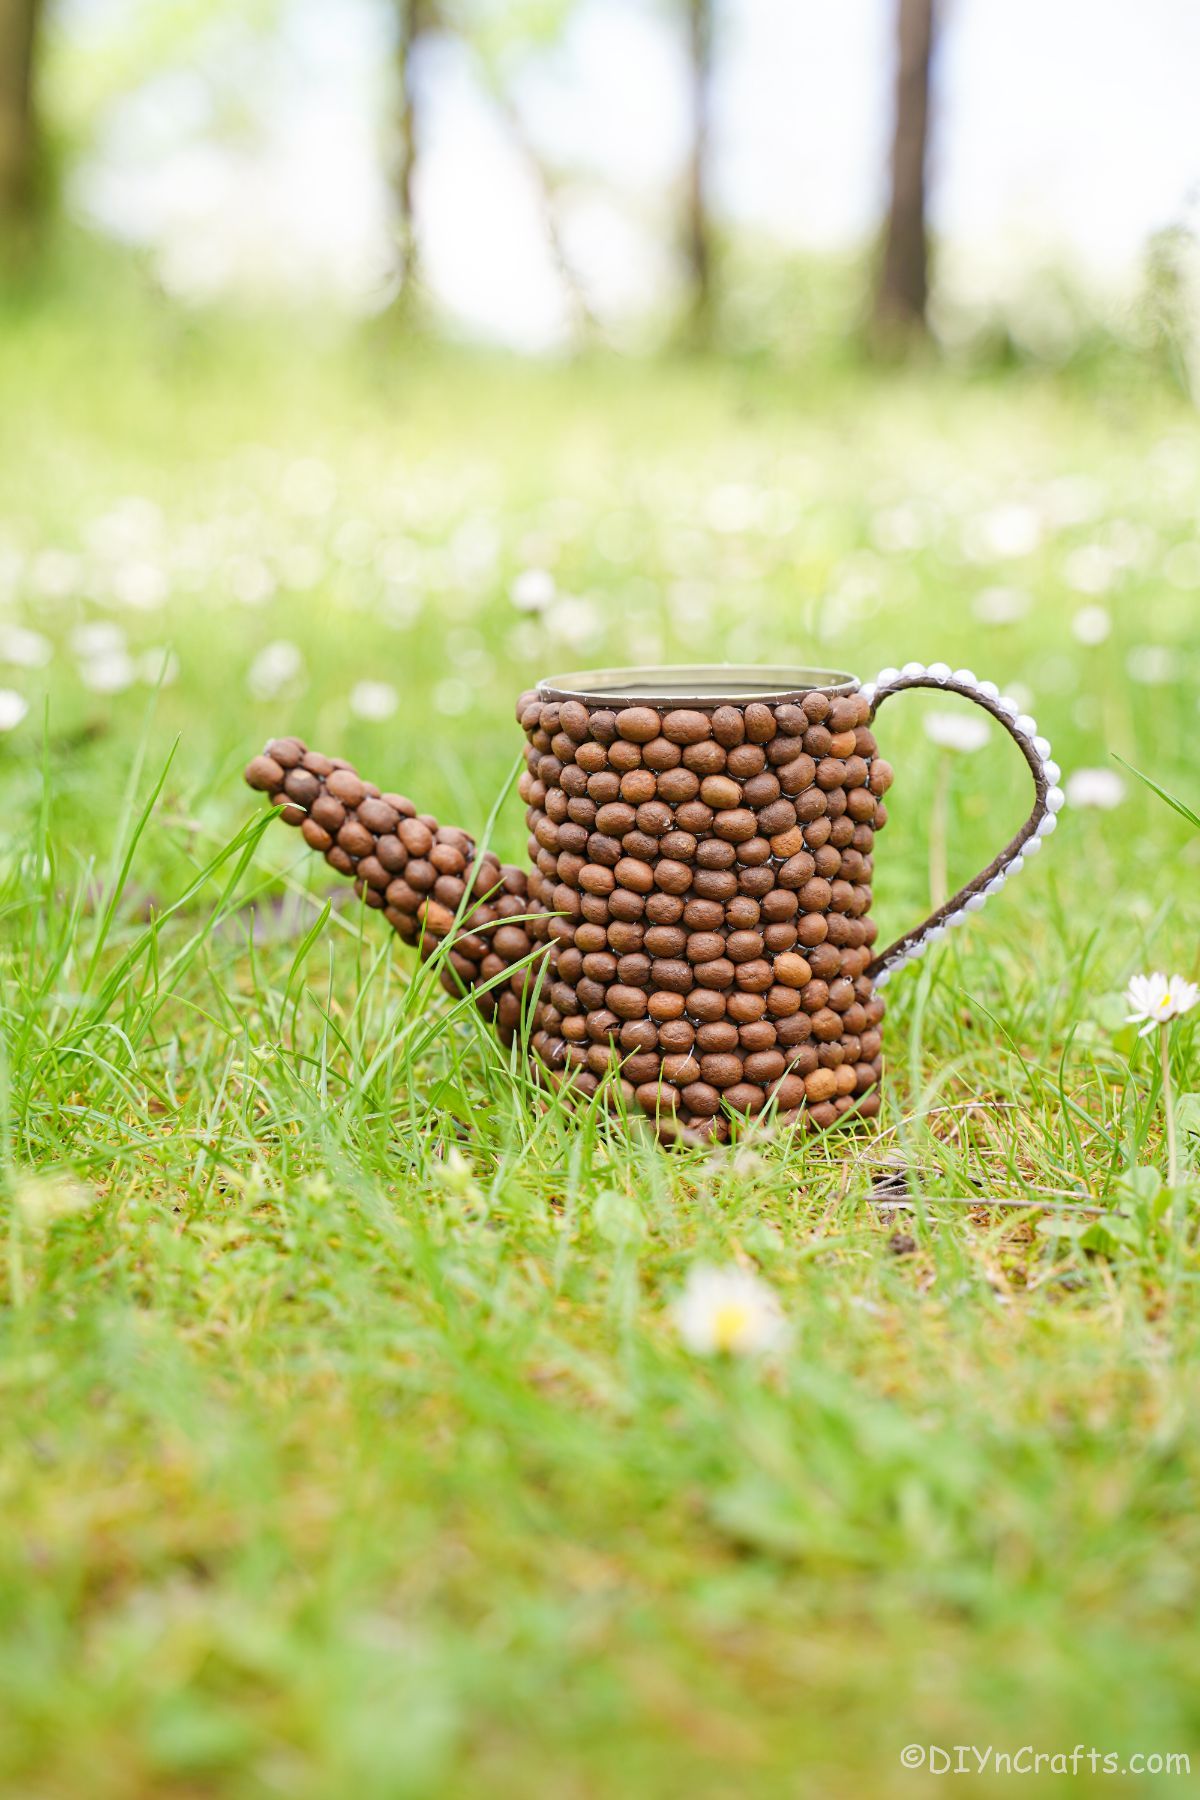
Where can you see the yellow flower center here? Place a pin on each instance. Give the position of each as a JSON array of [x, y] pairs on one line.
[[729, 1322]]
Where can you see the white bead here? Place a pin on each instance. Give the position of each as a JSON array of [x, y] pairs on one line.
[[913, 668], [957, 918], [976, 903], [868, 693], [1051, 771], [940, 671], [1026, 726], [1008, 707], [1031, 846], [934, 933], [997, 882], [989, 690], [915, 950], [1016, 865], [966, 678], [1056, 799], [1042, 746], [1048, 825], [886, 677], [883, 977]]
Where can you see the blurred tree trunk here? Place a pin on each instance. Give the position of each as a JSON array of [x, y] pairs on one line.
[[414, 18], [697, 223], [19, 146], [903, 288]]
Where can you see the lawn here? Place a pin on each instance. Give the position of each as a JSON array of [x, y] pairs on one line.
[[349, 1444]]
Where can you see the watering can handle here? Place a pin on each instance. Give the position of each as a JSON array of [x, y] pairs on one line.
[[1048, 801]]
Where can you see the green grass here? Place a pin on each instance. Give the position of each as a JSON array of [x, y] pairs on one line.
[[348, 1446]]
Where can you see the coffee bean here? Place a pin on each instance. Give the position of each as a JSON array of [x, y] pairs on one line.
[[265, 774], [735, 825], [638, 786], [704, 759], [345, 785], [657, 1096], [638, 724], [760, 722], [672, 877], [638, 876], [677, 1035], [729, 727], [704, 946], [660, 754], [792, 970], [701, 1100], [677, 786], [694, 816], [287, 752], [717, 973], [721, 1071], [719, 792], [687, 727]]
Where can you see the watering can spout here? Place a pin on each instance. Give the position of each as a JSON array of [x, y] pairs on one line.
[[427, 880]]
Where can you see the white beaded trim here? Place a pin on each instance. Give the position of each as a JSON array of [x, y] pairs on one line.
[[1038, 749]]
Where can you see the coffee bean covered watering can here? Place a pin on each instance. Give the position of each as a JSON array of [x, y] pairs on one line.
[[694, 930]]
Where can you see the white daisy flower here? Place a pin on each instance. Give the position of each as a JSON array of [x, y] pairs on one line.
[[109, 673], [533, 590], [23, 648], [1091, 624], [373, 699], [728, 1312], [13, 707], [277, 669], [965, 732], [1101, 788], [1157, 998]]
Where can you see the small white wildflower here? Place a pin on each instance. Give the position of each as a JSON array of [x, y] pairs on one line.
[[140, 585], [24, 649], [956, 731], [249, 580], [13, 707], [1157, 998], [451, 696], [1001, 605], [373, 699], [97, 638], [1102, 788], [1091, 624], [576, 620], [533, 590], [1090, 569], [158, 667], [1153, 665], [279, 666], [728, 1311], [1012, 529], [55, 573], [109, 673]]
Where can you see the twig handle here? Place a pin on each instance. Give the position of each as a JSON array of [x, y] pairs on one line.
[[1048, 802]]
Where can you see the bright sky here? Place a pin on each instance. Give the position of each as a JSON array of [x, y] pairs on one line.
[[1066, 131]]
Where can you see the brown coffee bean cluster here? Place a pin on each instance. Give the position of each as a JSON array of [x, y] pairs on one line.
[[415, 872], [708, 876]]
